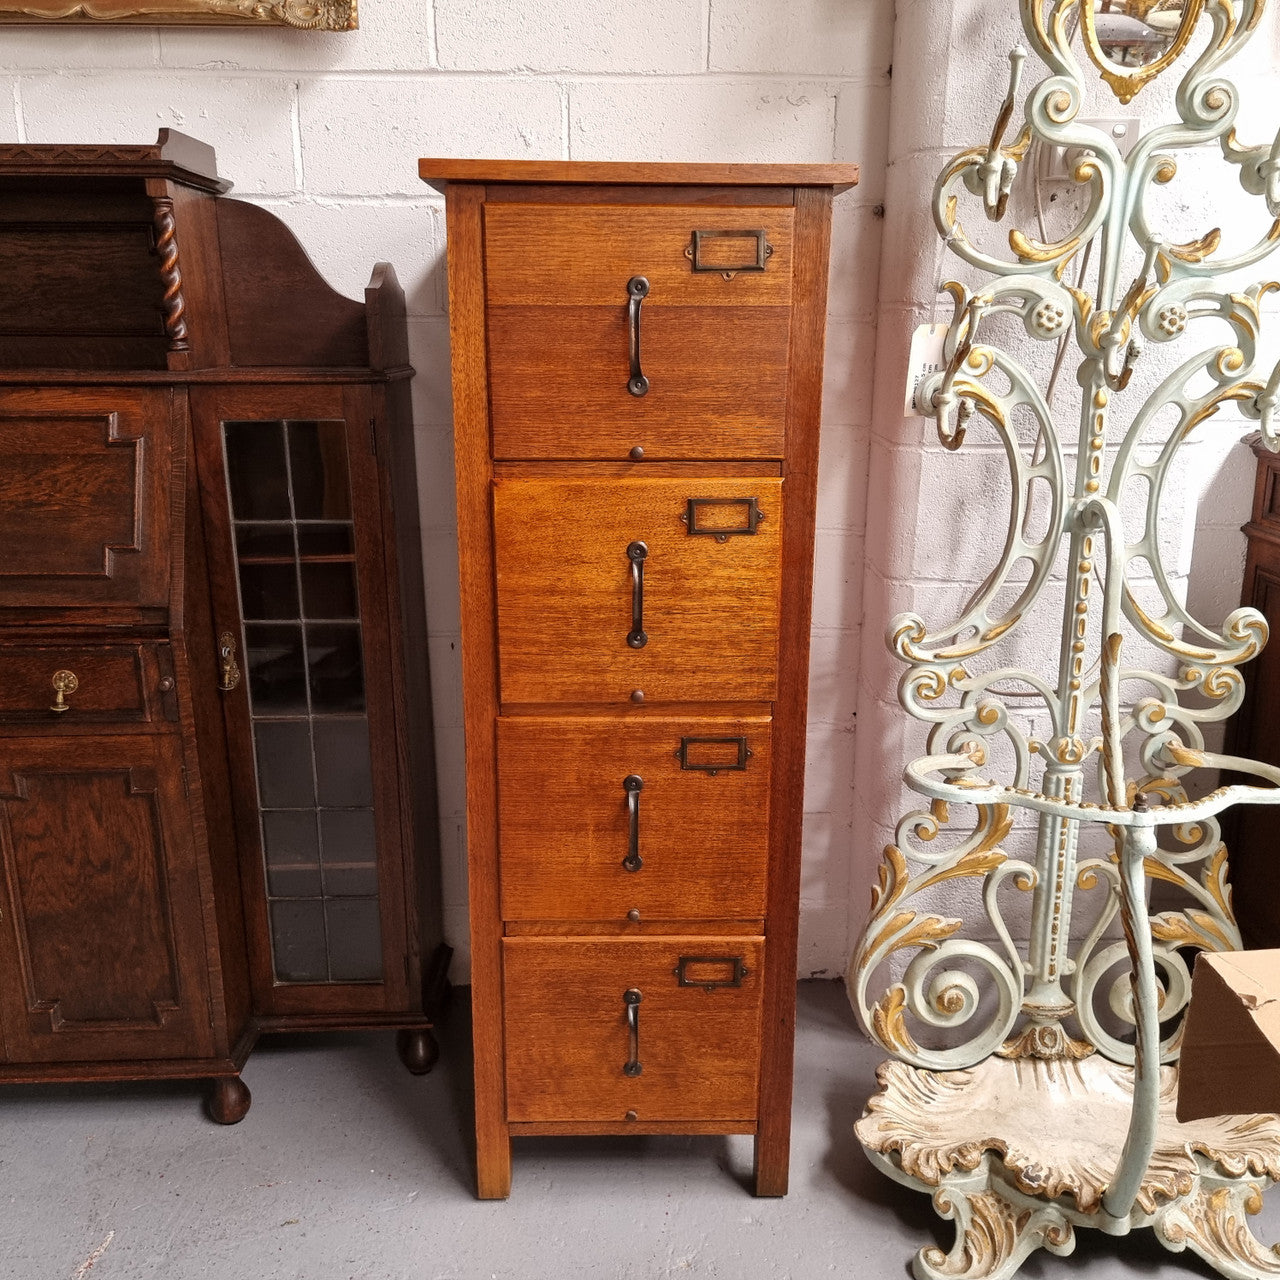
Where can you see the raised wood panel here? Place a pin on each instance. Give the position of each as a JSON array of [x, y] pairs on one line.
[[570, 256], [565, 592], [568, 1038], [84, 497], [103, 921], [717, 382], [565, 824]]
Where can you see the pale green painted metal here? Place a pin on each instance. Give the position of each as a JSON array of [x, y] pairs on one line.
[[1081, 761]]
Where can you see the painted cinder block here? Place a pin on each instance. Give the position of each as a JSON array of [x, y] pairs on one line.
[[853, 39], [574, 37], [842, 476], [394, 35], [247, 120], [707, 118], [61, 48], [364, 137]]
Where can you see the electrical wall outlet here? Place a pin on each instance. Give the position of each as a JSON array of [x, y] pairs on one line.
[[1057, 163]]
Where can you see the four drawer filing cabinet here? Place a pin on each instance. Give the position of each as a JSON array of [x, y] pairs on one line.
[[637, 363]]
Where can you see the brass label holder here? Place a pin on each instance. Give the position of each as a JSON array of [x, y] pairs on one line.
[[736, 971], [689, 761], [698, 507], [728, 269]]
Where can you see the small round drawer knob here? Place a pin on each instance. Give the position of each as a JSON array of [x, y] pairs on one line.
[[637, 453], [637, 695], [631, 1115], [64, 682], [634, 915], [166, 684]]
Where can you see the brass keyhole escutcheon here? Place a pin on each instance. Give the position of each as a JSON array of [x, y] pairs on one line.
[[64, 682], [228, 670]]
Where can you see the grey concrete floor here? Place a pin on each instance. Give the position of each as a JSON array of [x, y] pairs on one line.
[[348, 1168]]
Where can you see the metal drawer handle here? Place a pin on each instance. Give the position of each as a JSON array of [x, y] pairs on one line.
[[637, 292], [64, 682], [633, 785], [637, 553], [632, 1000]]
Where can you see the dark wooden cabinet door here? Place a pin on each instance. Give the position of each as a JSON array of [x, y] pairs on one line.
[[291, 505], [85, 497], [102, 936]]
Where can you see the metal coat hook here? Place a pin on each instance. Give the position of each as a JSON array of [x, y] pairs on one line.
[[997, 171]]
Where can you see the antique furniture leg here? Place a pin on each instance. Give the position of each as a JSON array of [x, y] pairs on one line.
[[230, 1099], [418, 1049]]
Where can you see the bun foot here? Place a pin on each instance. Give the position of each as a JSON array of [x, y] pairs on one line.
[[229, 1101], [417, 1049]]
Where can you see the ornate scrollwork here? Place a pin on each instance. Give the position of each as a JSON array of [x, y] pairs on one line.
[[1092, 734], [1030, 1098]]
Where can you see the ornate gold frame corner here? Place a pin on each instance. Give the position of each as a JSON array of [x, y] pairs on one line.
[[301, 15]]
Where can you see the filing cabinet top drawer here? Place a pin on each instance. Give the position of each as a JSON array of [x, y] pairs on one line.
[[583, 255], [614, 328], [68, 686]]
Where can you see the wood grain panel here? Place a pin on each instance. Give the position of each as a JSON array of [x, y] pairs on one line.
[[836, 176], [698, 1049], [84, 497], [711, 609], [564, 824], [717, 382], [97, 844], [583, 255], [118, 684]]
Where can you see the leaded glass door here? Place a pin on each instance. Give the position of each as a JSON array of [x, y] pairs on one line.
[[300, 608]]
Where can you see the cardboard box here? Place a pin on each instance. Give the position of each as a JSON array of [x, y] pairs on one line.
[[1230, 1062]]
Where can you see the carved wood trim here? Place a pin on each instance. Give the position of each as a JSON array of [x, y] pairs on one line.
[[175, 306]]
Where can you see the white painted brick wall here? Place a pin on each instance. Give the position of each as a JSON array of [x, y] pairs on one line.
[[326, 129]]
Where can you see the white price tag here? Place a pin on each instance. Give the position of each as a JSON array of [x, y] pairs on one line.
[[926, 358]]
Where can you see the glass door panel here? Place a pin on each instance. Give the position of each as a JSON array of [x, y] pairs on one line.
[[294, 538]]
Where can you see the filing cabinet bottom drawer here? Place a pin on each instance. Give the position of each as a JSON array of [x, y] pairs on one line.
[[645, 1029]]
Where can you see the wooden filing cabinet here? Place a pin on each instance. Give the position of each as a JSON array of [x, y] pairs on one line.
[[637, 355]]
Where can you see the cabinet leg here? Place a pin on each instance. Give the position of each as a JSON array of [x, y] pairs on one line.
[[230, 1099], [772, 1165], [418, 1049], [493, 1166]]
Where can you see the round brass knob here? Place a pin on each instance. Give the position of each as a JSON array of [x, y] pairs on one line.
[[636, 453], [637, 695], [64, 682], [634, 915], [631, 1115]]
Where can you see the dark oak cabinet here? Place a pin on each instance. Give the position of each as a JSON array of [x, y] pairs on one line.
[[217, 808], [1249, 831]]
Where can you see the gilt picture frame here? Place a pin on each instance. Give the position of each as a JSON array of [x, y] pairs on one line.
[[304, 15]]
